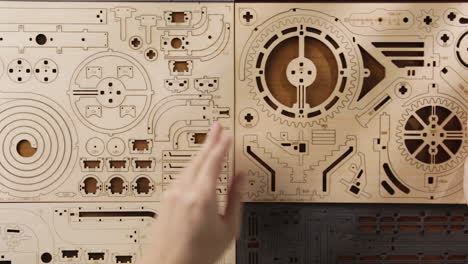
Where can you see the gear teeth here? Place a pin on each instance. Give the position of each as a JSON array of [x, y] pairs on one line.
[[318, 20], [411, 108]]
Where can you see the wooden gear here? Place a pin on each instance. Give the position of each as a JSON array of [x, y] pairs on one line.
[[103, 105]]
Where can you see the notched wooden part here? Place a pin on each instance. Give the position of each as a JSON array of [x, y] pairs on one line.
[[143, 164], [92, 164], [181, 66], [178, 17], [199, 138]]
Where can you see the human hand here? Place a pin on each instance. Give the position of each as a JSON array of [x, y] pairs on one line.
[[189, 228]]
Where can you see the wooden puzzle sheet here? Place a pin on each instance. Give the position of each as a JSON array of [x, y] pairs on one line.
[[352, 102], [83, 232], [103, 104]]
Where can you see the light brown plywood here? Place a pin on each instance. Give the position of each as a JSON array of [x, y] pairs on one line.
[[110, 102], [352, 102], [78, 232], [102, 105]]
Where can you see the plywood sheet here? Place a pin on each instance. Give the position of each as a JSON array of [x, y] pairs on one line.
[[79, 232], [102, 105], [110, 102], [352, 102], [106, 103]]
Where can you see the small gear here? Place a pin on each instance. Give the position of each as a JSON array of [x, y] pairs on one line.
[[432, 134], [428, 20], [256, 184], [301, 68]]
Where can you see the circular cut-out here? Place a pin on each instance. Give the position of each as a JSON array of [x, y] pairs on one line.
[[248, 117], [433, 134], [151, 54], [247, 16], [176, 43], [143, 186], [301, 66], [19, 70], [116, 146], [25, 148], [95, 146], [445, 38], [301, 72], [110, 92], [41, 39], [46, 257], [403, 90], [37, 144], [90, 186], [117, 186], [46, 70], [136, 42]]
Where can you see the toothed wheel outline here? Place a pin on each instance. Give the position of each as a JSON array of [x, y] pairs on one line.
[[318, 26], [424, 138]]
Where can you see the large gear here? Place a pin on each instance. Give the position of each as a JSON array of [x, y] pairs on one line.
[[431, 134], [318, 60]]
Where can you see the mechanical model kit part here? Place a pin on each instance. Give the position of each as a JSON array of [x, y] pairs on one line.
[[81, 174], [432, 133], [122, 14], [46, 70], [135, 42], [316, 86], [80, 16], [57, 39], [38, 143], [306, 33], [19, 70], [110, 86]]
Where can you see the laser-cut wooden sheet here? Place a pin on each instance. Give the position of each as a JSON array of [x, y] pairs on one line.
[[102, 105], [352, 102]]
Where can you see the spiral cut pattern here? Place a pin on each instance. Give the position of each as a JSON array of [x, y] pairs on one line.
[[50, 138]]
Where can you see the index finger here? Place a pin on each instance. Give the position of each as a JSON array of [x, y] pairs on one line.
[[192, 171]]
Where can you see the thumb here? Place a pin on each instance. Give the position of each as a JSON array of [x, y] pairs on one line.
[[233, 215]]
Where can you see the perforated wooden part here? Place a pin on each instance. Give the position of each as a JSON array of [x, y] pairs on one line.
[[108, 103], [351, 102], [102, 106]]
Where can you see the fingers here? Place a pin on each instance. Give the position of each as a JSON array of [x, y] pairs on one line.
[[192, 171], [211, 170], [233, 215]]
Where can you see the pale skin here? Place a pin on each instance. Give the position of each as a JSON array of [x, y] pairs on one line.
[[189, 228]]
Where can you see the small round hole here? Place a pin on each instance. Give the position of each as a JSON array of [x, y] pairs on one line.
[[176, 43], [25, 149], [46, 257], [41, 39]]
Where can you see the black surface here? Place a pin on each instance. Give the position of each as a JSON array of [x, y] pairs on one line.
[[353, 233]]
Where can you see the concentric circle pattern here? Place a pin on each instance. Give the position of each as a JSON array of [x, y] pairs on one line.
[[110, 92], [50, 138], [301, 67]]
